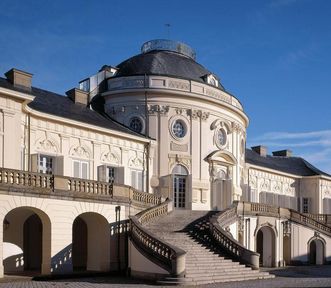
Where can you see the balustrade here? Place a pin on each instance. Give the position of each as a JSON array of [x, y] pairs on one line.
[[23, 178], [145, 197], [227, 242], [166, 255]]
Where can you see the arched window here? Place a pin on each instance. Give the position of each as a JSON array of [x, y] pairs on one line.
[[179, 170]]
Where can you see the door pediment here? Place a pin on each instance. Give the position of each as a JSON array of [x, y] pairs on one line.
[[222, 157]]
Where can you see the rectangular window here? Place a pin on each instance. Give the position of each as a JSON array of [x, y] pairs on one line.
[[111, 174], [305, 205], [80, 169], [46, 164]]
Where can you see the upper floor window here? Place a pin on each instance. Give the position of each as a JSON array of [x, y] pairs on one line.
[[80, 169], [305, 205], [221, 137], [45, 164], [212, 80], [136, 124], [179, 129]]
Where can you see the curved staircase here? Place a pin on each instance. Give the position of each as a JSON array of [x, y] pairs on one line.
[[189, 230]]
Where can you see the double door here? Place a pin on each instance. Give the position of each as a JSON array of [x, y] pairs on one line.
[[179, 189]]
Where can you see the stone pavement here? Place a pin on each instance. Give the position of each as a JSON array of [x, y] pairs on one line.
[[304, 276]]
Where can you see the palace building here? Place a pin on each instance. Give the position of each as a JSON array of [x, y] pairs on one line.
[[124, 172]]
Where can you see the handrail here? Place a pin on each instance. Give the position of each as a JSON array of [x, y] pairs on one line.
[[309, 220], [169, 257], [227, 242], [324, 218], [145, 197]]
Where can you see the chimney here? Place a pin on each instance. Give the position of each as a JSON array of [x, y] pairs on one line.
[[78, 96], [19, 78], [284, 153], [261, 150]]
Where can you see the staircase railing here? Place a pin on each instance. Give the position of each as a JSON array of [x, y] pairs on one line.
[[309, 220], [226, 242], [165, 255], [323, 218]]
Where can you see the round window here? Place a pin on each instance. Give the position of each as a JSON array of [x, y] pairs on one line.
[[221, 137], [178, 128], [136, 124]]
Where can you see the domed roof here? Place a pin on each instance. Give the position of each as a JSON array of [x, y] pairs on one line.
[[165, 63]]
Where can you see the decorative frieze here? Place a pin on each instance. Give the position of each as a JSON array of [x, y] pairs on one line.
[[267, 182]]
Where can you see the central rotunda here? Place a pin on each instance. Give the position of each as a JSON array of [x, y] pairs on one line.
[[200, 129]]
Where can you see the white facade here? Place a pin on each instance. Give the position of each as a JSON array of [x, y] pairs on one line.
[[188, 145]]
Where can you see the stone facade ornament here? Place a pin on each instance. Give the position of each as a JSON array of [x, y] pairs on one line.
[[110, 157], [161, 109], [80, 151], [136, 162], [175, 159], [196, 114]]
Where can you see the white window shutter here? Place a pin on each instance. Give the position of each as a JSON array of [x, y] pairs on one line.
[[102, 173], [120, 174], [59, 165], [76, 169], [34, 162]]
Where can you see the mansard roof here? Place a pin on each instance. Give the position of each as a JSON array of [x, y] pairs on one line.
[[62, 106], [292, 165]]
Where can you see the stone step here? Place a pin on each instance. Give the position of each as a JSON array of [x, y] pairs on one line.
[[190, 232]]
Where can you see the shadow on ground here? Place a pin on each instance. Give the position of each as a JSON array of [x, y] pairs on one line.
[[318, 271]]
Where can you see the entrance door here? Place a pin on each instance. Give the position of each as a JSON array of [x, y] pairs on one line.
[[179, 191]]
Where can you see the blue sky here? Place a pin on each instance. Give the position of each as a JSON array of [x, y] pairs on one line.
[[274, 55]]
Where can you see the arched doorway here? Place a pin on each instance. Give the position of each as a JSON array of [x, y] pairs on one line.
[[90, 243], [26, 241], [32, 243], [316, 251], [79, 245], [266, 245], [179, 186]]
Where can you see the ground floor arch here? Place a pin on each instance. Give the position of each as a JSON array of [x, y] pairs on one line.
[[316, 251], [90, 242], [266, 246], [26, 241]]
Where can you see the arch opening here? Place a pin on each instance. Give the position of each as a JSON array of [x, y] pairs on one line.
[[265, 246], [26, 242], [316, 252], [90, 243]]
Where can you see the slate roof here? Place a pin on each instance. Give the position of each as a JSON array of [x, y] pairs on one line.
[[165, 63], [293, 165], [62, 106]]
